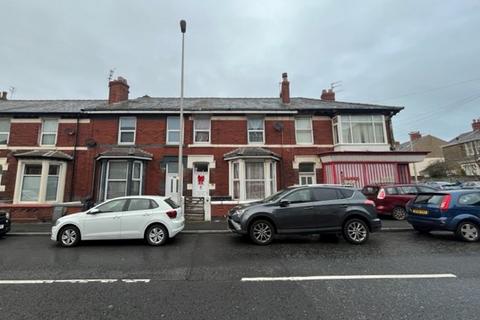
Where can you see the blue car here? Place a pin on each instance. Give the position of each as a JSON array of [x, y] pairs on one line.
[[456, 210]]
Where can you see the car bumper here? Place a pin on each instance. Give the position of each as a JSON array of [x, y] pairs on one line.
[[176, 227], [53, 235], [441, 223], [235, 226], [383, 210], [376, 225]]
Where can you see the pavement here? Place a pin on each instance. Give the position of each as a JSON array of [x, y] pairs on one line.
[[395, 275], [217, 225]]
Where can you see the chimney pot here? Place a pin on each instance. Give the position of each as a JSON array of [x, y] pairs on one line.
[[415, 135], [118, 90], [476, 125], [285, 89], [4, 95], [328, 95]]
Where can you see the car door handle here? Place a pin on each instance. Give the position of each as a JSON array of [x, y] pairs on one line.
[[307, 208], [147, 214], [116, 217]]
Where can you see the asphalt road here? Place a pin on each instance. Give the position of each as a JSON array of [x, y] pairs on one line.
[[199, 276]]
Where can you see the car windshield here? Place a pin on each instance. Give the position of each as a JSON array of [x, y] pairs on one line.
[[274, 197]]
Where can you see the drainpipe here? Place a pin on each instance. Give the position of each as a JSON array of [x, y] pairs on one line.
[[72, 180]]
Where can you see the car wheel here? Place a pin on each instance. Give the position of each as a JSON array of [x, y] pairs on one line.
[[399, 213], [422, 229], [356, 231], [261, 232], [69, 236], [156, 235], [468, 231]]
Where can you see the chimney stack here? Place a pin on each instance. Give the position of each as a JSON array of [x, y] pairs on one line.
[[476, 125], [415, 135], [118, 90], [3, 96], [328, 95], [285, 89]]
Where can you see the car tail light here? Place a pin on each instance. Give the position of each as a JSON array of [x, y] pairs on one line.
[[369, 203], [445, 202], [381, 194], [172, 214]]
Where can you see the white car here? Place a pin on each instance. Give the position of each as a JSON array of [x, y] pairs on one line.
[[152, 218]]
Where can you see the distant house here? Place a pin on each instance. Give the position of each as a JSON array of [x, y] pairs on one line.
[[428, 143], [465, 150]]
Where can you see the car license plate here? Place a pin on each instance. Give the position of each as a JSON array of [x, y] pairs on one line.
[[1, 226], [420, 211]]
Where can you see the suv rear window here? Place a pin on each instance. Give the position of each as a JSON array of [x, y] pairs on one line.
[[369, 191], [346, 193], [325, 194], [435, 199]]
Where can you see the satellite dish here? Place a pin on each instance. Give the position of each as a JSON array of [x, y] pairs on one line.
[[278, 126]]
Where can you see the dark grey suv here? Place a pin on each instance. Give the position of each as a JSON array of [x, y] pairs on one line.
[[307, 210]]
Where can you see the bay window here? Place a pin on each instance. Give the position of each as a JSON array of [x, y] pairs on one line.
[[39, 181], [122, 178], [252, 179], [303, 130], [255, 130], [359, 129], [201, 130]]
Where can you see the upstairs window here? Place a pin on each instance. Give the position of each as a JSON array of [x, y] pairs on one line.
[[256, 128], [201, 130], [48, 135], [359, 129], [173, 130], [4, 131], [127, 130], [303, 130]]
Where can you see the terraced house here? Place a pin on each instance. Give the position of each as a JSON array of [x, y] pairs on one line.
[[54, 152]]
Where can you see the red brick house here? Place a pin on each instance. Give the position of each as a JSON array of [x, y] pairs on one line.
[[235, 149]]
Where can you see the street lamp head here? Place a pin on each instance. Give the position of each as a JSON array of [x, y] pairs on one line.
[[183, 26]]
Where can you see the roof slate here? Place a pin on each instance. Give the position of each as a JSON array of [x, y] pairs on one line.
[[250, 152], [146, 103], [47, 154], [125, 152], [465, 137]]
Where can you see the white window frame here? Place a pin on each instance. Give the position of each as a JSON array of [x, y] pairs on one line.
[[195, 130], [6, 132], [107, 180], [42, 132], [17, 198], [120, 131], [269, 177], [338, 133], [256, 130], [140, 180], [312, 175], [174, 130], [303, 130]]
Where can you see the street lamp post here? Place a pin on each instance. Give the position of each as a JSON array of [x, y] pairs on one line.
[[183, 29]]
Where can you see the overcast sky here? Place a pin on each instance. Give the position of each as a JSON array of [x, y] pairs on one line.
[[424, 55]]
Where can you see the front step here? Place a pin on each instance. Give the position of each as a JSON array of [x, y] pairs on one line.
[[195, 217], [194, 209]]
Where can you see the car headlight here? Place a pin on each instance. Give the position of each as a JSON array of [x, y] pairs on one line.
[[239, 212], [7, 215], [57, 222]]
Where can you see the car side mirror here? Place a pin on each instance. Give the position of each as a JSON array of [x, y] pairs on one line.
[[93, 211], [284, 203]]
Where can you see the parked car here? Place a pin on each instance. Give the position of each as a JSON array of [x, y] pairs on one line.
[[391, 199], [312, 209], [457, 211], [4, 223], [471, 185], [152, 218]]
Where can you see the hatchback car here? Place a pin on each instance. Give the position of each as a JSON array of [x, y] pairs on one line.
[[152, 218], [4, 223], [456, 210], [310, 209], [391, 199]]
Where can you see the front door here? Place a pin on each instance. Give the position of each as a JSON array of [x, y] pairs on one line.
[[200, 180], [171, 180]]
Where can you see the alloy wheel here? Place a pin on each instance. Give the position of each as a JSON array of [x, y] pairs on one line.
[[262, 232], [357, 231], [399, 214], [156, 235], [69, 237], [469, 231]]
